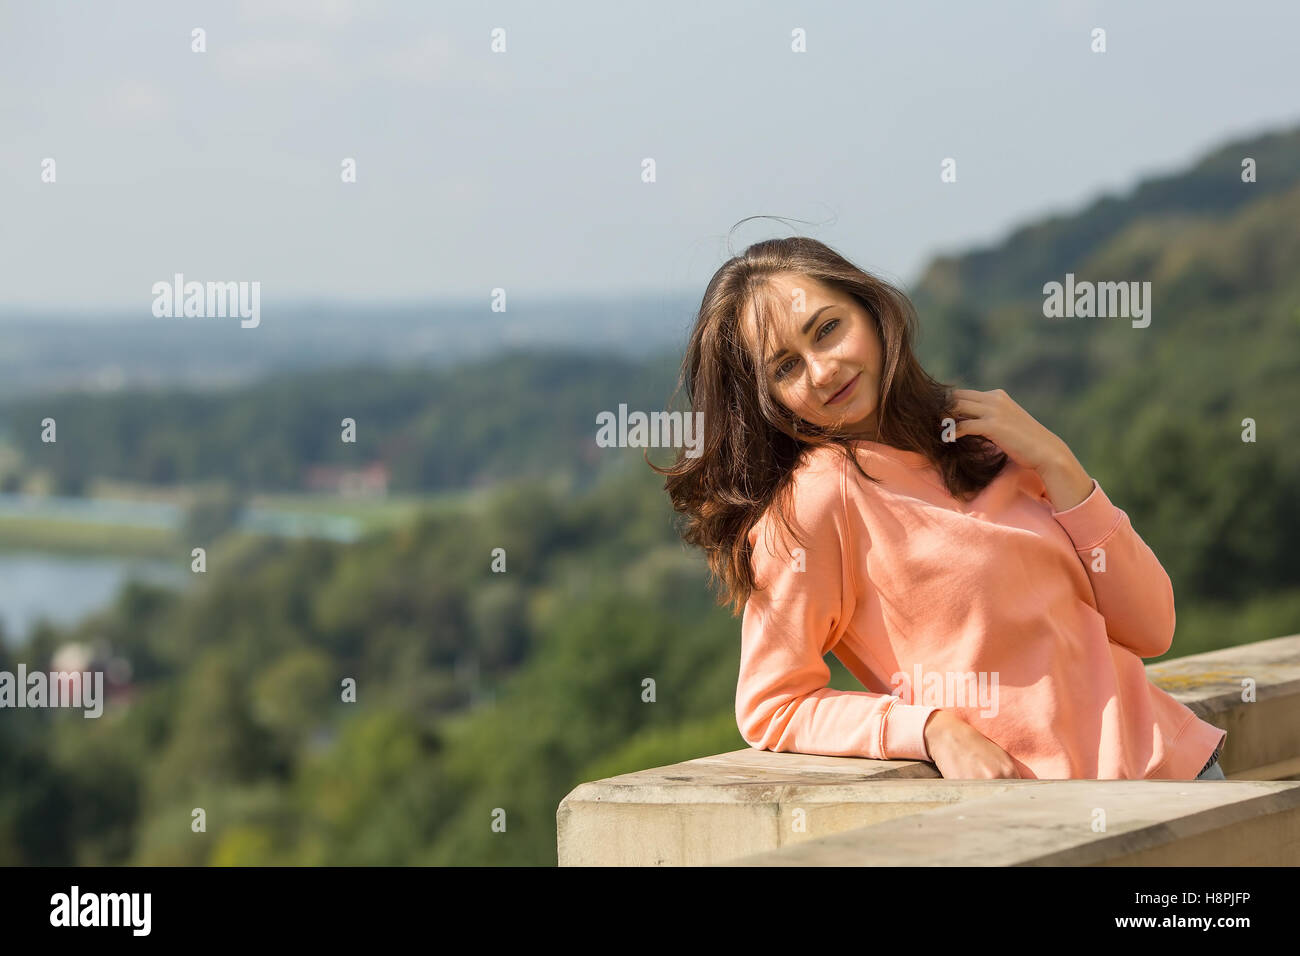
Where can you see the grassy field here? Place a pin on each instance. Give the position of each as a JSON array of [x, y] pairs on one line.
[[84, 537], [371, 513], [64, 535]]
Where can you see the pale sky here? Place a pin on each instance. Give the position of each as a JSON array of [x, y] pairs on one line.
[[522, 169]]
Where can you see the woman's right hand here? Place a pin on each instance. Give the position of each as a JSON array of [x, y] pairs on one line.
[[961, 752]]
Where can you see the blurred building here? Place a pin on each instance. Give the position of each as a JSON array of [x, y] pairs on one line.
[[368, 482], [78, 658]]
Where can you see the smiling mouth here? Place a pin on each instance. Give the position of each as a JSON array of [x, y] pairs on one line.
[[840, 394]]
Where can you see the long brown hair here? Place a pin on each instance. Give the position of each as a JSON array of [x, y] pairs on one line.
[[752, 444]]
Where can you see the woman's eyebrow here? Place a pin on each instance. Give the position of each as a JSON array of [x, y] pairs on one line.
[[804, 331]]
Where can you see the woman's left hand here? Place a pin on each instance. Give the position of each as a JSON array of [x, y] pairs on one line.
[[1027, 442], [997, 417]]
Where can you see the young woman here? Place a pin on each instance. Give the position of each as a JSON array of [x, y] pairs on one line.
[[946, 547]]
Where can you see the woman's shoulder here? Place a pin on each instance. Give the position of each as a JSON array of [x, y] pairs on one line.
[[819, 460], [815, 497], [819, 476], [817, 488]]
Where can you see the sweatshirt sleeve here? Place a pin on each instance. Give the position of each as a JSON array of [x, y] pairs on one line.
[[1133, 592], [802, 612]]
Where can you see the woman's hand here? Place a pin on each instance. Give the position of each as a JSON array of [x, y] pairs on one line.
[[1027, 442], [962, 753], [998, 418]]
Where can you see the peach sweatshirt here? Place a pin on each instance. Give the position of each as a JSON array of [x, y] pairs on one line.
[[1001, 610]]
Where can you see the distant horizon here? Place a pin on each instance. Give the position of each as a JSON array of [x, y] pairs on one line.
[[9, 311]]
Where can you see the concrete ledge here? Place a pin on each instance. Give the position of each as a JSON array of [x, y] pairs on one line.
[[1264, 735], [754, 806], [1055, 823], [712, 808]]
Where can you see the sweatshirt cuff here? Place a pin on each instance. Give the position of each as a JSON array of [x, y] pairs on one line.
[[904, 733], [1091, 521]]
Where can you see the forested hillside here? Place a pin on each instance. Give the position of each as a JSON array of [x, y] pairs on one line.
[[517, 414], [1156, 414]]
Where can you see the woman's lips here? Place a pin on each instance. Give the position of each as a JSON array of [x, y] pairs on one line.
[[845, 392]]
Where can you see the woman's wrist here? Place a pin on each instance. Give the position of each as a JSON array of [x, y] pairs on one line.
[[1066, 481], [935, 725]]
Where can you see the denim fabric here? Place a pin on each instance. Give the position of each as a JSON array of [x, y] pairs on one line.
[[1212, 772]]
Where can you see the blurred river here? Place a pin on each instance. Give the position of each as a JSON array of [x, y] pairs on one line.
[[65, 588]]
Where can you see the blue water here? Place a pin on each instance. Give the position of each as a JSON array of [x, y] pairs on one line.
[[64, 589]]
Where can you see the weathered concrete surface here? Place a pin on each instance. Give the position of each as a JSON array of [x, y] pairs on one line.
[[750, 803], [1058, 823], [1264, 735], [713, 808]]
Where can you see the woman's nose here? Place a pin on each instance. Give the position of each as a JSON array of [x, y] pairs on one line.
[[821, 373]]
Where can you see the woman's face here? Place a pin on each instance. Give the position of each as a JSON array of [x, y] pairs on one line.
[[815, 353]]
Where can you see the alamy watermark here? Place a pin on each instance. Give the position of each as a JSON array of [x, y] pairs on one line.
[[655, 430], [948, 689], [208, 300], [76, 908], [83, 689], [1127, 300]]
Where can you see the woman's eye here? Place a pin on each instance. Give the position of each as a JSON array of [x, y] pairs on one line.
[[784, 367]]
